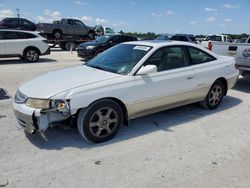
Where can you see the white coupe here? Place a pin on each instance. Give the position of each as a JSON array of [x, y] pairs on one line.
[[127, 81]]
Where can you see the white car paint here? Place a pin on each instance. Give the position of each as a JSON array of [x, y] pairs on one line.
[[141, 94]]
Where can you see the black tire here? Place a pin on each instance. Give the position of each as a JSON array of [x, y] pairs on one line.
[[31, 55], [101, 121], [91, 36], [57, 34], [63, 46], [214, 96]]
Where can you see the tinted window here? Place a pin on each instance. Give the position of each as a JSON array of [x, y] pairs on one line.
[[10, 35], [168, 58], [214, 38], [192, 39], [115, 39], [128, 38], [22, 35], [198, 56], [79, 23]]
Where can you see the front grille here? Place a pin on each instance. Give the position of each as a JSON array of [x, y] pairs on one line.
[[20, 98]]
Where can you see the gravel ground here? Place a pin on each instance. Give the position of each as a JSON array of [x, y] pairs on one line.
[[182, 147]]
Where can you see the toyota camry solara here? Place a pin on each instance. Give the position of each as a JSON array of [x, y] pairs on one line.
[[125, 82]]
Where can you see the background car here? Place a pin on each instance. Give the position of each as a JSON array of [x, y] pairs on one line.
[[178, 37], [88, 50], [17, 23], [23, 44]]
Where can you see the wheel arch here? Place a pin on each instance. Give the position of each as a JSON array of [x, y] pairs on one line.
[[224, 81], [56, 29], [31, 47], [118, 101]]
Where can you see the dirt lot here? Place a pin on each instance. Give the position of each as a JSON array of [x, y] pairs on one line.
[[182, 147]]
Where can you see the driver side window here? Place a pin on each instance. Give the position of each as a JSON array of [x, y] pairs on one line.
[[168, 58]]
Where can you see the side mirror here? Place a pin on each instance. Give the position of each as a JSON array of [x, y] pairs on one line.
[[144, 70]]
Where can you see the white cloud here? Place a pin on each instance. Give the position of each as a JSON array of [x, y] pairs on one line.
[[230, 6], [100, 21], [210, 9], [228, 20], [193, 22], [169, 12], [6, 13], [211, 19], [156, 15], [41, 19], [80, 3], [132, 3], [53, 14], [88, 19]]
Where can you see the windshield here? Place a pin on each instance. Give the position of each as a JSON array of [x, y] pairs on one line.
[[102, 39], [214, 38], [119, 59]]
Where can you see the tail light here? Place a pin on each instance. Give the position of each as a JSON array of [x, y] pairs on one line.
[[237, 66], [210, 46]]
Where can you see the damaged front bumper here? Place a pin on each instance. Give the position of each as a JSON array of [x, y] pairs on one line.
[[36, 120]]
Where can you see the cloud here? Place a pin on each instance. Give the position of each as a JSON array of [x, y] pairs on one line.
[[211, 19], [41, 19], [228, 20], [6, 13], [230, 6], [169, 12], [52, 14], [193, 22], [210, 9], [156, 15], [132, 3], [100, 21], [87, 19], [80, 3]]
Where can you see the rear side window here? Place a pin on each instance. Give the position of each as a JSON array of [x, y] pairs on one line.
[[192, 39], [198, 56], [11, 35], [180, 38]]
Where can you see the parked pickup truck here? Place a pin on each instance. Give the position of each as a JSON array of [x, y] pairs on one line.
[[66, 27], [241, 52], [215, 38]]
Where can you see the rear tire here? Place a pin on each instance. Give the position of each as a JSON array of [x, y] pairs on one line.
[[214, 96], [101, 121], [70, 45], [31, 55]]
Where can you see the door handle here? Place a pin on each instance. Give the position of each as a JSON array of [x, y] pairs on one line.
[[190, 77]]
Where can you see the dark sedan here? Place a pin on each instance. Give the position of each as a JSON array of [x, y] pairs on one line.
[[17, 23], [88, 50]]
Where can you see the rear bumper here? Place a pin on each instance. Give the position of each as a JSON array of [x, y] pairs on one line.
[[47, 52]]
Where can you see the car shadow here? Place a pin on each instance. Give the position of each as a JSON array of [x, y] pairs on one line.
[[59, 138], [243, 85], [20, 61]]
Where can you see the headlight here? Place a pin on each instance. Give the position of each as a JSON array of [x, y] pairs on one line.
[[90, 47], [38, 103]]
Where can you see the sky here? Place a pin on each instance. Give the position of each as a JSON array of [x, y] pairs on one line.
[[159, 16]]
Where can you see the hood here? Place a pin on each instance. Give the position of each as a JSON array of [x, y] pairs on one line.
[[56, 82]]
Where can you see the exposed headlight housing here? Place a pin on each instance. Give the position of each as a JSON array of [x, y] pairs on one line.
[[38, 103], [90, 47]]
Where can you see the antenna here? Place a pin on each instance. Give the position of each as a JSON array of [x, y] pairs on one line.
[[18, 15]]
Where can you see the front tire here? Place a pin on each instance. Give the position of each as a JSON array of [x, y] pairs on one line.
[[101, 121], [214, 96], [32, 55], [57, 34]]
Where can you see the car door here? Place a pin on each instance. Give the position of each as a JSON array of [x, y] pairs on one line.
[[171, 85], [81, 28], [2, 44], [71, 27], [206, 69], [15, 42]]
